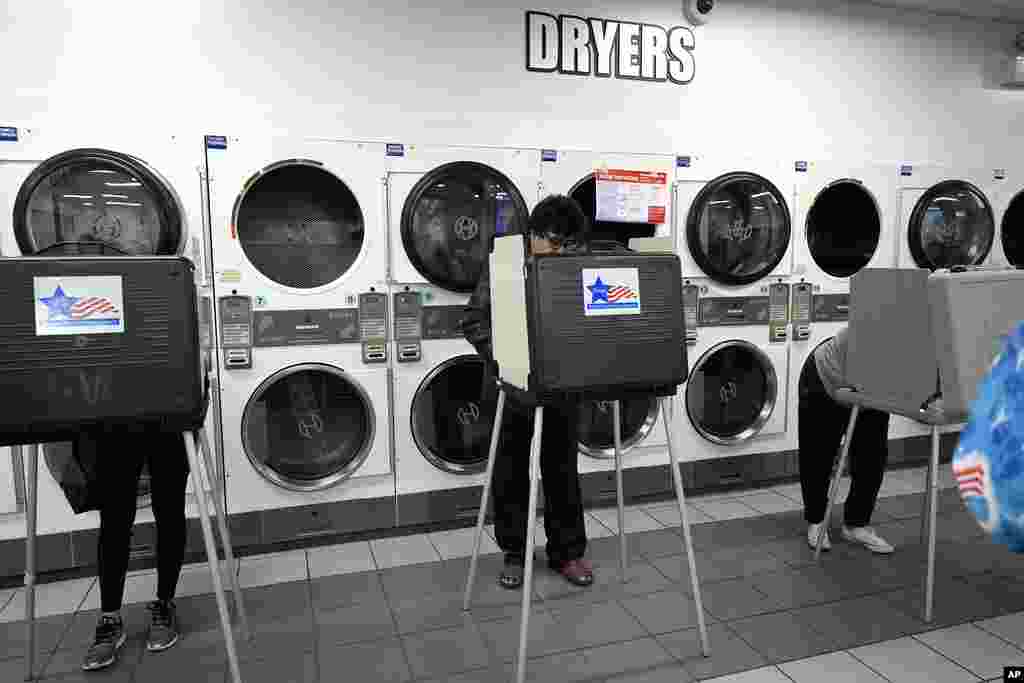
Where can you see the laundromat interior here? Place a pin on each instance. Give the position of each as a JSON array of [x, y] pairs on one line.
[[336, 173]]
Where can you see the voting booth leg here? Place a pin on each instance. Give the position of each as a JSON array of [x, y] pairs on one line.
[[221, 513], [837, 476], [482, 515], [531, 540], [933, 493], [211, 556], [617, 432], [684, 522], [31, 508]]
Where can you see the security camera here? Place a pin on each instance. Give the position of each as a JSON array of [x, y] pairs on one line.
[[698, 12]]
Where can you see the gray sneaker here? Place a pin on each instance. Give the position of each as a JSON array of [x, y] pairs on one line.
[[163, 626], [109, 639]]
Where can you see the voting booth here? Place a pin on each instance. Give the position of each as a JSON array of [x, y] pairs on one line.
[[602, 326], [919, 343], [103, 344]]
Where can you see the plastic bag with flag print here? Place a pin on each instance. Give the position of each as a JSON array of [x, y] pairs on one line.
[[988, 463]]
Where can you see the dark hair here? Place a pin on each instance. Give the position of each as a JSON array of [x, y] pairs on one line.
[[559, 216]]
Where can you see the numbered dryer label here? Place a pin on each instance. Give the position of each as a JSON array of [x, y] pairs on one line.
[[611, 291], [79, 305]]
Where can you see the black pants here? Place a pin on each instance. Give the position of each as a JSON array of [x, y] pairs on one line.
[[119, 469], [823, 423], [563, 501]]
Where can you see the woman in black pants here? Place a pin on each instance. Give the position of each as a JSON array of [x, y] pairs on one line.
[[122, 455], [822, 425]]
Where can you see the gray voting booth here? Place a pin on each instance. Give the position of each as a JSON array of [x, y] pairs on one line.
[[544, 342], [916, 337]]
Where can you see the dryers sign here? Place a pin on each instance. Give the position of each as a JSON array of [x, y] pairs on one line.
[[605, 47]]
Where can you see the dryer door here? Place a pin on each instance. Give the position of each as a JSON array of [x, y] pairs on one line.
[[738, 229], [453, 414], [732, 392], [1012, 231], [637, 419], [844, 226], [308, 427], [450, 218], [96, 201], [299, 225], [952, 225]]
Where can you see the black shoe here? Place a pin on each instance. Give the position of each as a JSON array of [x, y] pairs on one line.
[[163, 626], [512, 574], [109, 638]]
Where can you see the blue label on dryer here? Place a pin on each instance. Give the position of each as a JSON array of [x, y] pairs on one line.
[[549, 155], [1000, 174], [8, 133], [801, 167], [395, 150], [682, 162], [906, 171], [216, 142]]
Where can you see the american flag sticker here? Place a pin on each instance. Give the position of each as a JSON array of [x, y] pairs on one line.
[[611, 291], [79, 305], [973, 477]]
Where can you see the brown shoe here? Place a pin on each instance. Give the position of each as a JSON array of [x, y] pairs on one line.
[[577, 572]]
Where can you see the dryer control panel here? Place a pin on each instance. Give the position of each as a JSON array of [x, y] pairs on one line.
[[801, 311], [373, 326], [236, 331], [408, 327]]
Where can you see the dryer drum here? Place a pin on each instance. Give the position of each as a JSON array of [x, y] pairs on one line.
[[585, 194], [308, 427], [738, 228], [452, 415], [98, 196], [637, 418], [451, 217], [299, 224], [952, 225], [1012, 231], [844, 226], [731, 392]]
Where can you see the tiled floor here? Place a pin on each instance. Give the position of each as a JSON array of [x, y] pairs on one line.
[[390, 609]]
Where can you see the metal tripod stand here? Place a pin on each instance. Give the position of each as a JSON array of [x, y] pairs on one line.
[[32, 461], [531, 528]]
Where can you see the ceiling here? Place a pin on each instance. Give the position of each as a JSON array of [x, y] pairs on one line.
[[1006, 10]]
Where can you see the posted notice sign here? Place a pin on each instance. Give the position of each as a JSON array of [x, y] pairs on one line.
[[631, 196]]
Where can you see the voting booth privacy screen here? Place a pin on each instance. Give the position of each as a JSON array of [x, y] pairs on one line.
[[606, 325], [89, 341]]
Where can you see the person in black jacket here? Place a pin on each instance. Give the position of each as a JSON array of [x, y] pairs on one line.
[[556, 226]]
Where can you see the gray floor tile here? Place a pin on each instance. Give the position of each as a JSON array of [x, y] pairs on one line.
[[667, 672], [908, 661], [780, 637], [1009, 627], [414, 581], [641, 579], [800, 587], [546, 636], [589, 625], [49, 633], [616, 661], [959, 527], [720, 564], [207, 663], [493, 674], [971, 556], [295, 668], [347, 589], [448, 651], [67, 662], [381, 660], [355, 624], [795, 552], [835, 667], [955, 602], [444, 610], [901, 507], [745, 532], [1006, 593], [859, 621], [664, 612], [655, 544], [978, 651], [736, 599], [280, 600], [729, 653]]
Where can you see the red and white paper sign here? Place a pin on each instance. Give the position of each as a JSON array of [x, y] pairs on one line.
[[631, 196]]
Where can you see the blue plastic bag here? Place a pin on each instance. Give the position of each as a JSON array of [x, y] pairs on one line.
[[989, 460]]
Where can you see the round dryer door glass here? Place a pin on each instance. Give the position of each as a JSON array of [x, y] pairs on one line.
[[299, 225], [843, 228], [952, 225], [637, 417], [451, 217], [66, 470], [738, 229], [731, 392], [308, 428], [1012, 231], [585, 194], [452, 415], [101, 199]]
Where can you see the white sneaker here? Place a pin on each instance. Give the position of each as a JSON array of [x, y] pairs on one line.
[[812, 537], [866, 536]]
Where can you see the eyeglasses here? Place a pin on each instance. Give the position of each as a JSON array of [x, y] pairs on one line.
[[560, 241]]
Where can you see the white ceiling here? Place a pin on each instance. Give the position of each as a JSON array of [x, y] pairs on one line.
[[1006, 10]]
